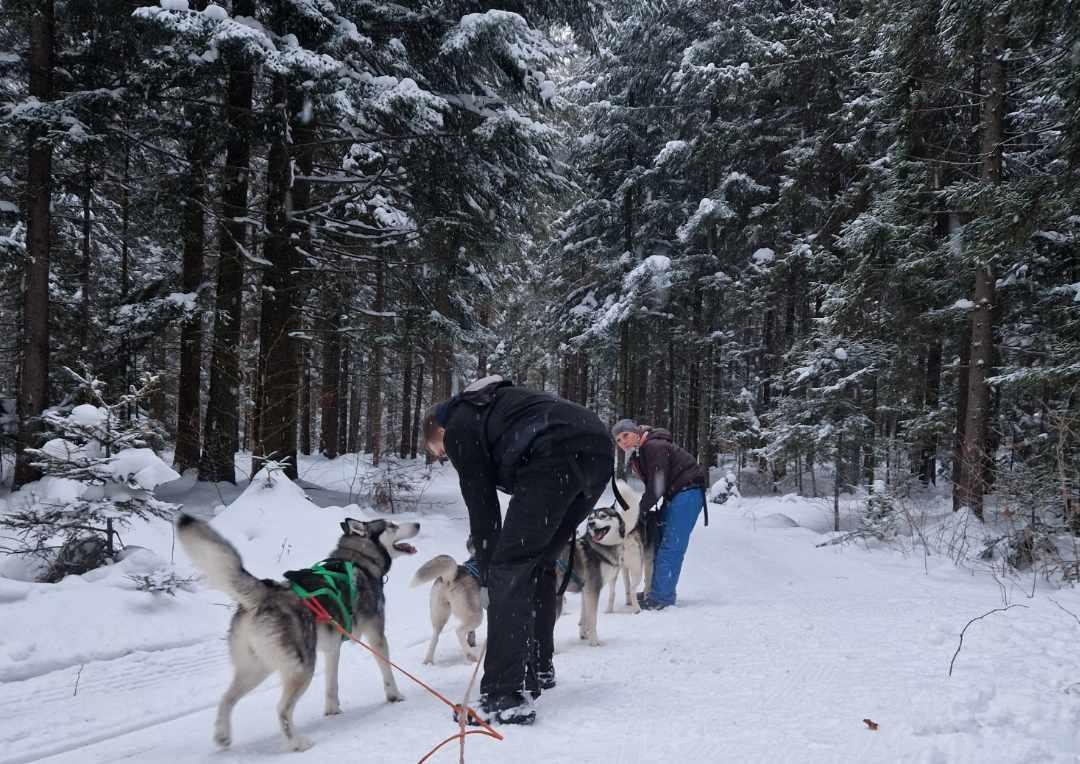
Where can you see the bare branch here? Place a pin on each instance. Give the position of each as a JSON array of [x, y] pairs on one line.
[[973, 620]]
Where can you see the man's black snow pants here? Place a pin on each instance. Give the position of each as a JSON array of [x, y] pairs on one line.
[[553, 492]]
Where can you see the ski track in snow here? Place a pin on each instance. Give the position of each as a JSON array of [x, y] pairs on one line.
[[776, 653]]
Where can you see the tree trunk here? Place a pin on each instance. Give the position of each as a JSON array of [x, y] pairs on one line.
[[406, 392], [306, 407], [963, 372], [870, 443], [669, 422], [976, 422], [125, 363], [375, 369], [86, 298], [768, 354], [354, 413], [442, 352], [331, 371], [695, 396], [484, 317], [283, 283], [34, 360], [220, 442], [622, 405], [346, 387], [992, 131], [931, 396], [414, 429], [188, 423], [836, 482]]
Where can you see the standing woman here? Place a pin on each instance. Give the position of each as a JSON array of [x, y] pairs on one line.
[[673, 474], [555, 458]]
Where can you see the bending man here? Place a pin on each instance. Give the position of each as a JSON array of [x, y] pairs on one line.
[[555, 459]]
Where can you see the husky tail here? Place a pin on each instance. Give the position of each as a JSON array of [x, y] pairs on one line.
[[219, 562], [633, 504], [444, 566]]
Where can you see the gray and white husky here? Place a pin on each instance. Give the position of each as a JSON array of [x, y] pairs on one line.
[[456, 592], [639, 549], [612, 543], [272, 630]]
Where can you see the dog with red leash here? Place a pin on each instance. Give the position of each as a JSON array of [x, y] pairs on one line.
[[273, 630]]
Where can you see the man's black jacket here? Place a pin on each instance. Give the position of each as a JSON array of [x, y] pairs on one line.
[[491, 430]]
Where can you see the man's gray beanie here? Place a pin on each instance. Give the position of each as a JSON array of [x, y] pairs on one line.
[[624, 425]]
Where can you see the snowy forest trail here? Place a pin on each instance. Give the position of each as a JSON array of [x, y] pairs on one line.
[[776, 652]]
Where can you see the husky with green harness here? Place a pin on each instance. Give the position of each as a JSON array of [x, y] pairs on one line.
[[275, 631], [332, 583]]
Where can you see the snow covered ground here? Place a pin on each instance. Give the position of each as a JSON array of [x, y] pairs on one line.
[[777, 652]]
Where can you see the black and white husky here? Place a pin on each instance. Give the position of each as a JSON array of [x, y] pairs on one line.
[[272, 630], [612, 543]]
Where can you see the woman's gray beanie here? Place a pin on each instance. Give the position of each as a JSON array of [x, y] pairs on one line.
[[624, 425]]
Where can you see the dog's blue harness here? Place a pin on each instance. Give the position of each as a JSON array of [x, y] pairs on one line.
[[472, 567]]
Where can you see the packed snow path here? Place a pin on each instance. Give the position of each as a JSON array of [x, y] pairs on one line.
[[777, 652]]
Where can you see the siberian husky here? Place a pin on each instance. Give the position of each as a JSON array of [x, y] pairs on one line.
[[456, 592], [611, 544], [272, 630]]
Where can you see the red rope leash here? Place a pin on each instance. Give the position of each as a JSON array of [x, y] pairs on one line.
[[322, 616]]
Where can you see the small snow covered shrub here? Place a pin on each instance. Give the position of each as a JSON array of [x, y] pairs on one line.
[[100, 472], [162, 581], [881, 516], [723, 489]]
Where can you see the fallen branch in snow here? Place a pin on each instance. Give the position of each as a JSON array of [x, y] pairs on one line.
[[78, 676], [973, 620], [1065, 609]]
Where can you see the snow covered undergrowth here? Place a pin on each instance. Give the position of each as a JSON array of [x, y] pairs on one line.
[[777, 651]]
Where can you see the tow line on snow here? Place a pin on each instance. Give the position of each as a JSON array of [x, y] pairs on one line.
[[322, 616]]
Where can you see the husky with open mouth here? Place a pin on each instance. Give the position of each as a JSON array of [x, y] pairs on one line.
[[595, 559], [272, 629]]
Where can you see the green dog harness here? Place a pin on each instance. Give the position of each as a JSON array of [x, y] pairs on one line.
[[331, 582]]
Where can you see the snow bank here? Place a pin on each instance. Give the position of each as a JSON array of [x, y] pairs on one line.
[[102, 615]]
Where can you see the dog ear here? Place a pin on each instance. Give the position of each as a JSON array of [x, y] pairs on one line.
[[376, 527], [351, 527]]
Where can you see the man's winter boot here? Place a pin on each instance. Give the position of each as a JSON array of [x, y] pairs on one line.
[[546, 678], [514, 708]]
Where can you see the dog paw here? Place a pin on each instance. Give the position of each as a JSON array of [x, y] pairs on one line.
[[595, 642], [429, 661], [300, 743], [222, 739], [393, 696], [332, 709]]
